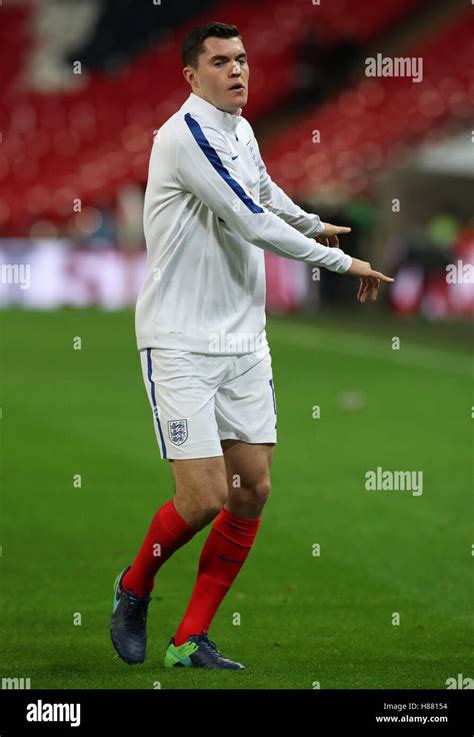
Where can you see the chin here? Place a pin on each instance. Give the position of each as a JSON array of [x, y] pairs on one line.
[[240, 104], [231, 109]]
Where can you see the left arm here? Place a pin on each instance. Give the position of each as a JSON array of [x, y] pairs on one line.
[[275, 200]]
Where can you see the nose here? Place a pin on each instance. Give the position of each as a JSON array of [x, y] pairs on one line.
[[235, 69]]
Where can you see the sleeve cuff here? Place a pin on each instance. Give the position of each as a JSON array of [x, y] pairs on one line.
[[317, 228], [345, 265]]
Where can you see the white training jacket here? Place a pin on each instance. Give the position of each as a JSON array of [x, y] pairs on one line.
[[210, 208]]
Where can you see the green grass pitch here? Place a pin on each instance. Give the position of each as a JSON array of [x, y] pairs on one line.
[[304, 618]]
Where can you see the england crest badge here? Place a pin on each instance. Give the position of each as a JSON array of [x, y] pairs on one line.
[[178, 431]]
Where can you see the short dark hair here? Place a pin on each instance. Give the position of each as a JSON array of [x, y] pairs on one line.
[[193, 44]]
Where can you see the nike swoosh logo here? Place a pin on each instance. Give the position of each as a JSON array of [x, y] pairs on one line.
[[116, 596], [234, 157], [185, 661], [229, 560], [116, 601]]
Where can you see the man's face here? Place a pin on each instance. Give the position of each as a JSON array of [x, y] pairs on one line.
[[222, 74]]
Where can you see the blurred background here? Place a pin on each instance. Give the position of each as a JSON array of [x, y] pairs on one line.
[[85, 84]]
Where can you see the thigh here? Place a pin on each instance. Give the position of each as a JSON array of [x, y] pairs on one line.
[[181, 388]]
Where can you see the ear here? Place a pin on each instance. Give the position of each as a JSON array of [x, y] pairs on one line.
[[191, 76]]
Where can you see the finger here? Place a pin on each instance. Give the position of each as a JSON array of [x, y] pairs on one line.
[[323, 241], [330, 229], [367, 289], [359, 293], [364, 290], [374, 288], [334, 241], [382, 277], [363, 296]]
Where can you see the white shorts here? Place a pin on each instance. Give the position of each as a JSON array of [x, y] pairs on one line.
[[198, 400]]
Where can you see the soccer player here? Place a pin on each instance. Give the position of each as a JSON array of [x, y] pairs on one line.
[[210, 211]]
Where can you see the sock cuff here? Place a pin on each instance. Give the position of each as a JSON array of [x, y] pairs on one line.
[[239, 530], [172, 520]]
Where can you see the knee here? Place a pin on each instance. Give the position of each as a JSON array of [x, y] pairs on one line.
[[258, 491], [199, 506], [250, 499], [262, 491], [213, 496], [211, 507], [200, 515]]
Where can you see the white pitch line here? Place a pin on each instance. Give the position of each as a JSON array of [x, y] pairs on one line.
[[359, 345]]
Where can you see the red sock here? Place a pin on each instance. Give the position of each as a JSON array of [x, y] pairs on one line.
[[171, 532], [225, 550]]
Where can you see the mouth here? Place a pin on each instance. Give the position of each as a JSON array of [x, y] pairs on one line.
[[238, 87]]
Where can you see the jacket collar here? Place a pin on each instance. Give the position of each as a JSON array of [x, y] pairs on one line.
[[196, 104]]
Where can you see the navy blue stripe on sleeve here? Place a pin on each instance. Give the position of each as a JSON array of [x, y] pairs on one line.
[[213, 158]]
